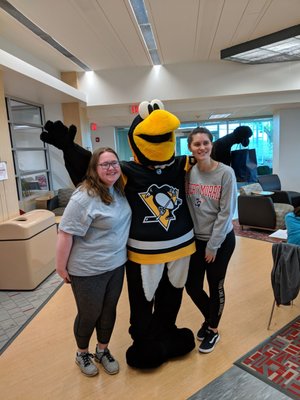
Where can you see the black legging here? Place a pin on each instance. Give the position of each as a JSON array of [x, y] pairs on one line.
[[96, 299], [210, 306]]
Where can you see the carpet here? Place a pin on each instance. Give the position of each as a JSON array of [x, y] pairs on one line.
[[18, 308], [276, 361], [253, 233]]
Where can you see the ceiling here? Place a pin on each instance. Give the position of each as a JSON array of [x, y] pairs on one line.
[[104, 35]]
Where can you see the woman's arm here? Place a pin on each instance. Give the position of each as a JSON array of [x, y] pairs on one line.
[[225, 213], [63, 249]]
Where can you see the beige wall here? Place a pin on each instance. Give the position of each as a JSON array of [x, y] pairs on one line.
[[74, 114], [9, 206]]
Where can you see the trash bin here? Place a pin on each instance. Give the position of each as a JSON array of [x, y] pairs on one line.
[[27, 248]]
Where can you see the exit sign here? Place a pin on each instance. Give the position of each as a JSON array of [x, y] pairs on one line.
[[134, 108]]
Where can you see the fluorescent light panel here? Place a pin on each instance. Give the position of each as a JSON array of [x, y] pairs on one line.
[[280, 46], [218, 116], [11, 10], [140, 12]]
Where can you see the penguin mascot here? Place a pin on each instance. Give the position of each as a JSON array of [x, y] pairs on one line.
[[161, 237]]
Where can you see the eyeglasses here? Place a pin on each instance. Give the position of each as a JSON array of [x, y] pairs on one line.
[[106, 165]]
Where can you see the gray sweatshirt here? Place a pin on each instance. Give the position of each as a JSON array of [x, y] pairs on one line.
[[211, 199]]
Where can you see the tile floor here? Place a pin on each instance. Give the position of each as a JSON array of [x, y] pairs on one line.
[[236, 384], [18, 308]]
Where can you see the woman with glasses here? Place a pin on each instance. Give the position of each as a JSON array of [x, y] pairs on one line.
[[91, 254]]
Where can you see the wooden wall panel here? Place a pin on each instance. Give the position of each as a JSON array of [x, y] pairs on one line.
[[73, 113], [9, 206]]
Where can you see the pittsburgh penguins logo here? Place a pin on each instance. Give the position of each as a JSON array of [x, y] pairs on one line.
[[162, 201]]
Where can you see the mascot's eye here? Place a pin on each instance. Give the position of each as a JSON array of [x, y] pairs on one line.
[[157, 104], [145, 109]]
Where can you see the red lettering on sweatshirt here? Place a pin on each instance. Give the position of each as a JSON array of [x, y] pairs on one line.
[[210, 191]]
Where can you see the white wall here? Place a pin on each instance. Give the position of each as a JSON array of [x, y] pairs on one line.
[[27, 57], [287, 148], [188, 81], [106, 136]]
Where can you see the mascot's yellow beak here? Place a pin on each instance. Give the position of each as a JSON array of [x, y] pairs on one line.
[[153, 139]]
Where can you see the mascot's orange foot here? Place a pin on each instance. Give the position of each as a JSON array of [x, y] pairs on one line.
[[151, 353]]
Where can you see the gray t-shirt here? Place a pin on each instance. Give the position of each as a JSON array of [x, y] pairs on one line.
[[100, 233], [212, 199]]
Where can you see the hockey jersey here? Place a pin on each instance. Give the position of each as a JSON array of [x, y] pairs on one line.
[[162, 230]]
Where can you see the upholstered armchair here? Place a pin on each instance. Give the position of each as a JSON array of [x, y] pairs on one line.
[[58, 203], [259, 211], [272, 183]]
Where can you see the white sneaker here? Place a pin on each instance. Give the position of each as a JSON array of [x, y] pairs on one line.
[[85, 363], [110, 365]]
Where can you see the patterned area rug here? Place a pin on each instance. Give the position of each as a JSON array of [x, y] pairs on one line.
[[276, 361], [18, 308], [253, 233]]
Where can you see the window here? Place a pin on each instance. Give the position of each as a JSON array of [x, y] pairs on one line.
[[261, 140], [123, 148], [30, 154]]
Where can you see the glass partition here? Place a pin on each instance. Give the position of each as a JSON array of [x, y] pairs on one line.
[[30, 154]]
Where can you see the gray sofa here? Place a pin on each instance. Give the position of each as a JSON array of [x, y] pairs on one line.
[[58, 203], [272, 182], [259, 211]]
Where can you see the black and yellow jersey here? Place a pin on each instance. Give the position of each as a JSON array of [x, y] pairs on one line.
[[161, 229]]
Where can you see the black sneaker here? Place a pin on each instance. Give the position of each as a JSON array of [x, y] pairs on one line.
[[202, 331], [210, 340]]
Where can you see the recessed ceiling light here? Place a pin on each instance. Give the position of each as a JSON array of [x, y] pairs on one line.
[[218, 116]]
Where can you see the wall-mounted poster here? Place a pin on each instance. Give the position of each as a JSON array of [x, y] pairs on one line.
[[3, 171]]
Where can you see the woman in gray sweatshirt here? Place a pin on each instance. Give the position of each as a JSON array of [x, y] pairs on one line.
[[211, 192]]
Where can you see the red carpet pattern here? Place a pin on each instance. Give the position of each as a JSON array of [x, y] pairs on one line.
[[253, 233], [277, 360]]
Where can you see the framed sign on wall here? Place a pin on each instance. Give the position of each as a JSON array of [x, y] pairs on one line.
[[3, 171]]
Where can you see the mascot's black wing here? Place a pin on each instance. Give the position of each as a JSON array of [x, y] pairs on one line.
[[222, 147], [76, 157]]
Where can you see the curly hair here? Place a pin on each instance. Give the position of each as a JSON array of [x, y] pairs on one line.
[[93, 184]]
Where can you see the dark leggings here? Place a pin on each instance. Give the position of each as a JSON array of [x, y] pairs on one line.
[[210, 306], [96, 299]]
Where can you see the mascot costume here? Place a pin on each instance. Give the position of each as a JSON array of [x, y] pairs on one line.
[[222, 147], [161, 237], [76, 157]]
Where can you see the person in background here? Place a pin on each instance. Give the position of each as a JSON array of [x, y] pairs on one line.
[[292, 223], [91, 254], [211, 194]]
